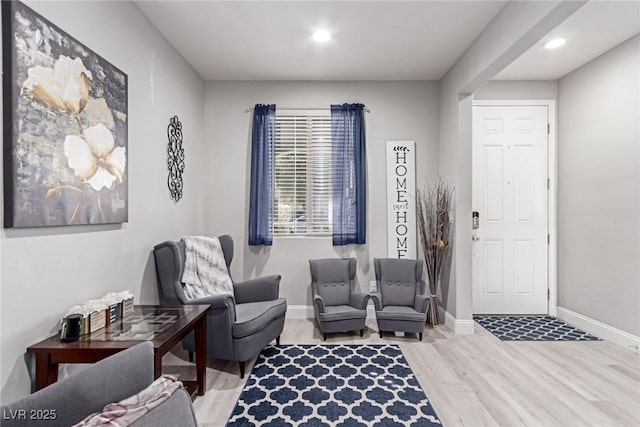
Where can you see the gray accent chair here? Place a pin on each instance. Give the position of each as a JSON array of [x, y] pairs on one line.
[[239, 326], [336, 306], [398, 305], [88, 391]]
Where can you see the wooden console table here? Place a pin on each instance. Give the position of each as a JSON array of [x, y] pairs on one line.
[[163, 326]]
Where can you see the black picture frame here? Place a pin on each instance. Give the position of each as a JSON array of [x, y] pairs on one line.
[[65, 127]]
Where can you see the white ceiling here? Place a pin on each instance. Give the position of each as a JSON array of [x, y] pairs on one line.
[[271, 40], [372, 40], [594, 29]]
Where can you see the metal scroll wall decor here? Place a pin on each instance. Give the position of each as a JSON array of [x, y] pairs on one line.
[[175, 159]]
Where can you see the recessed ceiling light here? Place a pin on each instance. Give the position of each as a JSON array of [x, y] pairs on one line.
[[321, 36], [555, 43]]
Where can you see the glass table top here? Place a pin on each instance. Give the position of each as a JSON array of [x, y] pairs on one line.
[[144, 324]]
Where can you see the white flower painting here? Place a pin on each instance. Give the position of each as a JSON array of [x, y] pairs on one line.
[[65, 86], [95, 158], [69, 134]]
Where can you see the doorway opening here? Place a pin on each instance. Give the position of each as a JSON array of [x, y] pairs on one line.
[[514, 207]]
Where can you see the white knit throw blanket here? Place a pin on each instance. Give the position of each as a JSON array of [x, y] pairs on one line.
[[128, 411], [205, 272]]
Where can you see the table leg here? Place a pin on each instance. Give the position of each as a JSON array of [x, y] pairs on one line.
[[46, 372], [157, 364], [201, 354]]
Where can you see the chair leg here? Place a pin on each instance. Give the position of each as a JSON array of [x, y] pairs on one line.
[[380, 332], [241, 369], [420, 336], [324, 336], [361, 333], [278, 340], [191, 356]]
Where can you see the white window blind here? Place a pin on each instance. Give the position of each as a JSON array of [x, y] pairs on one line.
[[302, 203]]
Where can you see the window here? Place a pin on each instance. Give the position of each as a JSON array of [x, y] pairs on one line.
[[302, 202]]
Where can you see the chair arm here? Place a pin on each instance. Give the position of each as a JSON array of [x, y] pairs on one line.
[[176, 410], [218, 303], [220, 320], [377, 301], [421, 303], [318, 303], [359, 300], [261, 289], [73, 398]]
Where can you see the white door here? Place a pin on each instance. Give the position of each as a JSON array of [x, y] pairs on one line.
[[510, 248]]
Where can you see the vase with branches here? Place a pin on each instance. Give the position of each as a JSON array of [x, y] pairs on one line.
[[433, 206]]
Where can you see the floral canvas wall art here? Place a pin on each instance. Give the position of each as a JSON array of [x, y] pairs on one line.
[[65, 127]]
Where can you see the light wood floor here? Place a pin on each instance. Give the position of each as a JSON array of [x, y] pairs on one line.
[[474, 380]]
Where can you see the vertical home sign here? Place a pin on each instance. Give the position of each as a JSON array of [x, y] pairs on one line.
[[401, 198]]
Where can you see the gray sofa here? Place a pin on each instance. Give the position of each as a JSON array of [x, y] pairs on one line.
[[239, 326], [113, 379]]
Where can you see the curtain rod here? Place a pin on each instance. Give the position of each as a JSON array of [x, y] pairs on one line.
[[250, 109]]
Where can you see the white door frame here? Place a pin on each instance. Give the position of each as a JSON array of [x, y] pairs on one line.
[[552, 168]]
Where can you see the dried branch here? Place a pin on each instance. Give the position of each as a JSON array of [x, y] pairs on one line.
[[433, 211]]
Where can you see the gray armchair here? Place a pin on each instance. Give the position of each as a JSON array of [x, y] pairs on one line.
[[398, 305], [238, 326], [88, 391], [336, 306]]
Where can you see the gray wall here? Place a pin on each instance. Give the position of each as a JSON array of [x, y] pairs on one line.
[[517, 27], [518, 89], [599, 189], [45, 271], [399, 110]]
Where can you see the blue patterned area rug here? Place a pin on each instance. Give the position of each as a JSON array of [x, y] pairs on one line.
[[532, 328], [333, 385]]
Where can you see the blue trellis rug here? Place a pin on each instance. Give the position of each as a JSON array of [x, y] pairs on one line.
[[333, 385], [532, 328]]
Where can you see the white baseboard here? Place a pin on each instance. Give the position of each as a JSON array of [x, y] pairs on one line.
[[306, 312], [459, 326], [600, 329], [456, 325], [299, 312]]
